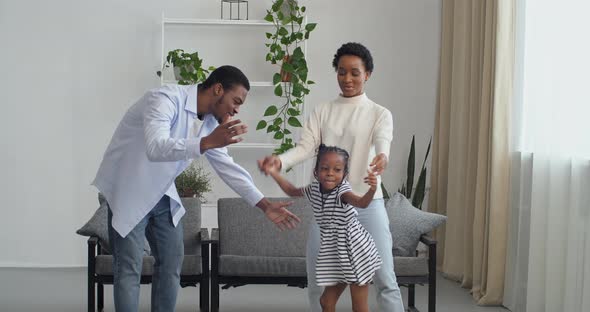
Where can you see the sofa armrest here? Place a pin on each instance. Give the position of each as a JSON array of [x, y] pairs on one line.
[[204, 236], [429, 241], [92, 241]]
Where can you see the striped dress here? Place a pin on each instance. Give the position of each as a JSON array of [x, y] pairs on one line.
[[347, 252]]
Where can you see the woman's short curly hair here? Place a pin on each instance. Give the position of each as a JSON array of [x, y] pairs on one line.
[[357, 49]]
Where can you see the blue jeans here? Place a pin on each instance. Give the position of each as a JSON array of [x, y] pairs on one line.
[[166, 242], [374, 219]]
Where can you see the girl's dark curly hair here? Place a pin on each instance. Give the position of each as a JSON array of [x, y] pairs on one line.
[[356, 49], [323, 149]]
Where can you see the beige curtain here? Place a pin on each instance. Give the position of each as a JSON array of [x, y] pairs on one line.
[[470, 165]]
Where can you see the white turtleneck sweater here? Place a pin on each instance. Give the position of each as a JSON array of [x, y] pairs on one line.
[[356, 124]]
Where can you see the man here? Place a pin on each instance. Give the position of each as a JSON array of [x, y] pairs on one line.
[[150, 148]]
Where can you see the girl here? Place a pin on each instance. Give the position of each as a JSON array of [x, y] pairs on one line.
[[347, 254]]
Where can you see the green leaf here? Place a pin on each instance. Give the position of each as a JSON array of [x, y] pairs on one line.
[[286, 131], [268, 57], [420, 190], [410, 170], [309, 82], [278, 121], [278, 135], [297, 54], [294, 122], [269, 18], [311, 26], [271, 110], [269, 129], [276, 79], [279, 90], [384, 191], [261, 125], [303, 9], [283, 31], [288, 67], [268, 35], [292, 112]]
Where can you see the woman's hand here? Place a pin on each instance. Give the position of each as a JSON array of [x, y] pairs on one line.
[[378, 164]]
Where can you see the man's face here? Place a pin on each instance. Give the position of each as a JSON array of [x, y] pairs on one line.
[[229, 103]]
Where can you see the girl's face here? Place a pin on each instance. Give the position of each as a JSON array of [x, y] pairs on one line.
[[351, 75], [330, 171]]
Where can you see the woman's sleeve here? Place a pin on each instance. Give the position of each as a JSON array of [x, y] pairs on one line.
[[383, 134]]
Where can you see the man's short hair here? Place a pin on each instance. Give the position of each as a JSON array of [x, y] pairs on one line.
[[228, 76]]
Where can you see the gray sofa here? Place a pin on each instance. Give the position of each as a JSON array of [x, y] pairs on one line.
[[248, 249]]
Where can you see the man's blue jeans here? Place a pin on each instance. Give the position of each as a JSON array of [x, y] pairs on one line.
[[166, 242]]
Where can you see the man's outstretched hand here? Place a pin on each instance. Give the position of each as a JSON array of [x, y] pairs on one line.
[[278, 214]]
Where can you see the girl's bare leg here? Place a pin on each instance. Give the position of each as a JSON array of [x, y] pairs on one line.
[[360, 297], [330, 297]]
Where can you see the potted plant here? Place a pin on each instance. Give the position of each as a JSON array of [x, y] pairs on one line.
[[192, 185], [188, 67], [290, 81], [408, 187]]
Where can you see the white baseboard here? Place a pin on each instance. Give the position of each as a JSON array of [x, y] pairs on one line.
[[13, 265]]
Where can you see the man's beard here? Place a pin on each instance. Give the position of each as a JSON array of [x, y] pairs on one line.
[[217, 105]]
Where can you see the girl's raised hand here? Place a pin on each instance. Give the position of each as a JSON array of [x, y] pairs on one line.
[[371, 179]]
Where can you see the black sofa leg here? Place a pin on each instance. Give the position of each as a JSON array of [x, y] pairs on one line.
[[214, 278], [91, 268], [204, 284], [100, 297], [91, 292], [411, 295], [432, 278], [432, 293]]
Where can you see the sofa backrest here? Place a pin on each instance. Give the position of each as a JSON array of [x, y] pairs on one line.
[[245, 231], [191, 222]]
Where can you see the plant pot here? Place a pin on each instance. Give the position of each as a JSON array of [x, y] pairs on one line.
[[286, 77], [286, 8]]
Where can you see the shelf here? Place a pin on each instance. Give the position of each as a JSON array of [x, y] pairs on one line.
[[252, 83], [189, 21], [253, 145]]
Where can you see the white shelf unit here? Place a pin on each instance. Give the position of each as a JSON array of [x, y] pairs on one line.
[[240, 149], [252, 83]]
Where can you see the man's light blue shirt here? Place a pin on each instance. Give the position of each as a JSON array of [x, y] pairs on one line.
[[151, 147]]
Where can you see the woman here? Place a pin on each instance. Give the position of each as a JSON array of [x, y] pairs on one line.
[[355, 123]]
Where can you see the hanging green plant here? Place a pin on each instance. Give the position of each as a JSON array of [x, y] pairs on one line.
[[290, 82], [188, 67]]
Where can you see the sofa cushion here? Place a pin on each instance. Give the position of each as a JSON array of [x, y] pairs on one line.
[[97, 225], [410, 266], [262, 266], [191, 265], [407, 223]]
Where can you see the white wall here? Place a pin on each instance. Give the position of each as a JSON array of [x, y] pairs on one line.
[[71, 68]]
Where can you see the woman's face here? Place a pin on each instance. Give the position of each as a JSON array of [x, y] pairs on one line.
[[351, 75]]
